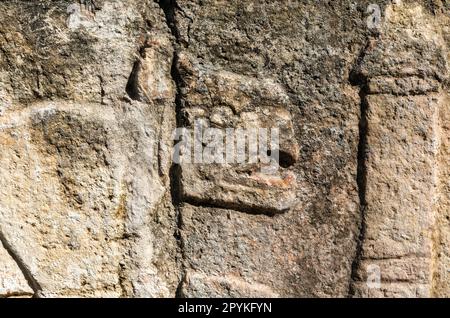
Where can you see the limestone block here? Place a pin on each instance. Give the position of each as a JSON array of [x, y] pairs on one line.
[[12, 280]]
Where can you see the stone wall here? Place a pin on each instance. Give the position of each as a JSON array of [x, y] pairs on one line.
[[92, 203]]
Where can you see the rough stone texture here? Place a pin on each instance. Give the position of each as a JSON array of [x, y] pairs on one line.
[[12, 281], [219, 99], [442, 235], [92, 204], [401, 120], [85, 207], [79, 184]]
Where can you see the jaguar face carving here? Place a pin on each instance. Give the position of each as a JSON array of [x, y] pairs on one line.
[[238, 107]]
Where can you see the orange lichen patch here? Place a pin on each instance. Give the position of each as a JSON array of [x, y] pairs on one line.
[[284, 182]]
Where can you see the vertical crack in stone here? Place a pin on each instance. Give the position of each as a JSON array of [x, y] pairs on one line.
[[362, 182], [357, 79], [32, 282], [102, 89], [169, 7]]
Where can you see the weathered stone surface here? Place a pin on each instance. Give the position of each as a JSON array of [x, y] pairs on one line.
[[92, 203], [269, 260], [85, 198], [248, 57], [401, 119], [12, 280], [55, 58], [217, 99], [149, 80], [77, 191], [442, 236], [399, 214]]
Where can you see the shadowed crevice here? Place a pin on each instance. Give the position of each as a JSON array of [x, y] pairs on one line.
[[362, 185], [234, 206], [169, 7], [32, 282], [359, 80]]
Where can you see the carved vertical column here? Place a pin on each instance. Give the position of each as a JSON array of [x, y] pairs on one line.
[[442, 235], [403, 72]]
